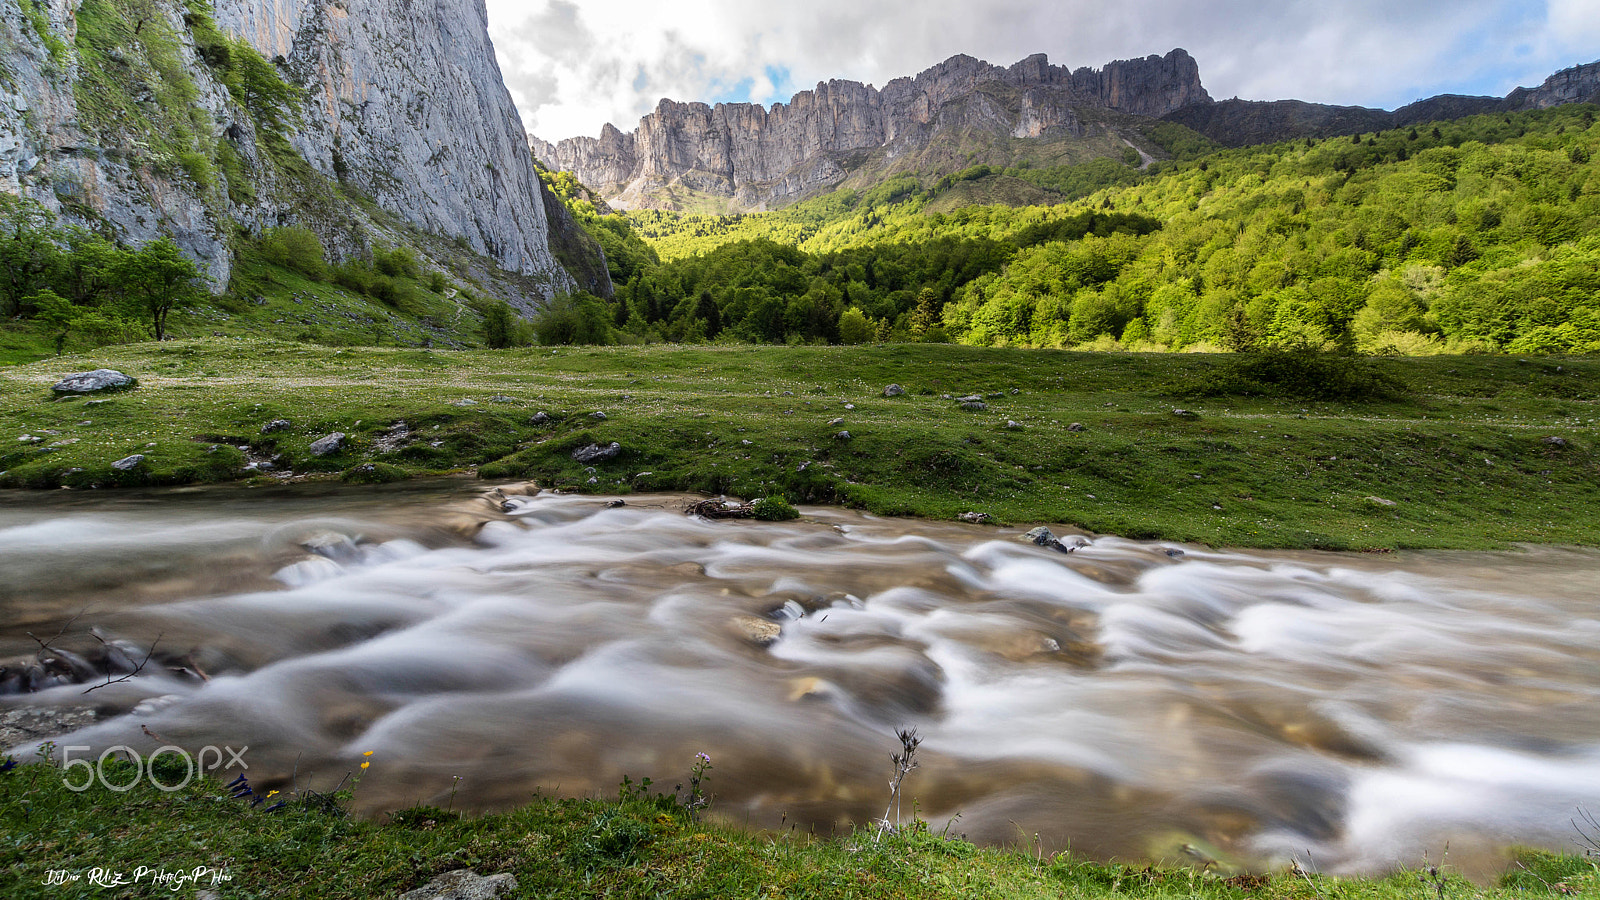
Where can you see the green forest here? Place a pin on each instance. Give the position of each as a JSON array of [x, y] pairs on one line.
[[1477, 235]]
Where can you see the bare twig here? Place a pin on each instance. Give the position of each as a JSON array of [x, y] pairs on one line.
[[46, 644], [1588, 840], [714, 508], [136, 669]]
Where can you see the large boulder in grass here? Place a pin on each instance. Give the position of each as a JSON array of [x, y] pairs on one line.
[[91, 382], [464, 884], [323, 446]]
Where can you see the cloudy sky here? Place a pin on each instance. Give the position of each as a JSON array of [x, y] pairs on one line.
[[573, 65]]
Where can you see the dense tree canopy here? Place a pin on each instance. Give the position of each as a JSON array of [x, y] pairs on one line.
[[1476, 235]]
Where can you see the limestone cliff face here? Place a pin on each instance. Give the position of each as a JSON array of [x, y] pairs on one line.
[[406, 102], [1579, 84], [758, 155], [403, 101], [49, 154]]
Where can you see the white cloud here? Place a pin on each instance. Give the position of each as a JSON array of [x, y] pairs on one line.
[[573, 67]]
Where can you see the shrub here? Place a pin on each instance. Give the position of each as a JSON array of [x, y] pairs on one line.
[[396, 263], [295, 248], [1302, 375], [773, 509]]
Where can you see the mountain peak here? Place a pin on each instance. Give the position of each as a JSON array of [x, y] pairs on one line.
[[754, 156]]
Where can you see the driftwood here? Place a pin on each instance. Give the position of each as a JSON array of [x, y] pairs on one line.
[[717, 509]]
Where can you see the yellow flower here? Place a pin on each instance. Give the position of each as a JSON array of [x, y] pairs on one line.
[[271, 794], [365, 764], [368, 753]]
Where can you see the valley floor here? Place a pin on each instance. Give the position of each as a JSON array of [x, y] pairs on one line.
[[1445, 452]]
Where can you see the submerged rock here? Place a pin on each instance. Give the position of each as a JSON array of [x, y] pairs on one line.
[[758, 631]]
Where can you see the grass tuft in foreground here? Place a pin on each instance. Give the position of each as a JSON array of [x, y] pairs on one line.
[[640, 845]]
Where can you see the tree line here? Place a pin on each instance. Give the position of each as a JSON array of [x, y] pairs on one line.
[[1481, 234], [78, 284]]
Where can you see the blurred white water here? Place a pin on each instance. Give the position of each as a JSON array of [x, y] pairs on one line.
[[1122, 700]]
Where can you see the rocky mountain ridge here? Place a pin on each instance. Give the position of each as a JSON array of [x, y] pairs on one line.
[[1239, 123], [750, 158], [756, 156]]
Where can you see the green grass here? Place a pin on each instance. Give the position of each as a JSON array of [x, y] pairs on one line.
[[633, 847], [1462, 454]]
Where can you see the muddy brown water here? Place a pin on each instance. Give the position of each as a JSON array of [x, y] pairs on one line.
[[1133, 699]]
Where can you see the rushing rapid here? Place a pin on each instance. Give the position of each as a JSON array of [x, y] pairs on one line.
[[1129, 699]]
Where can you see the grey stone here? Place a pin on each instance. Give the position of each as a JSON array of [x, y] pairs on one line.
[[1555, 441], [276, 425], [597, 415], [590, 453], [539, 418], [129, 463], [1076, 426], [970, 398], [833, 422], [1044, 537], [842, 436], [1186, 413], [324, 446], [1381, 501], [974, 406], [1010, 423], [976, 518], [97, 380], [893, 390], [464, 884]]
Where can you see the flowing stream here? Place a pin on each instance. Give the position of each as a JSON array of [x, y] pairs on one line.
[[1131, 699]]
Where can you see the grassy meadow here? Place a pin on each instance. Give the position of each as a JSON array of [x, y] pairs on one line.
[[1436, 452]]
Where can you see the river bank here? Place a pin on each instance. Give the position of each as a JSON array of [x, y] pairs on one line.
[[1466, 453]]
